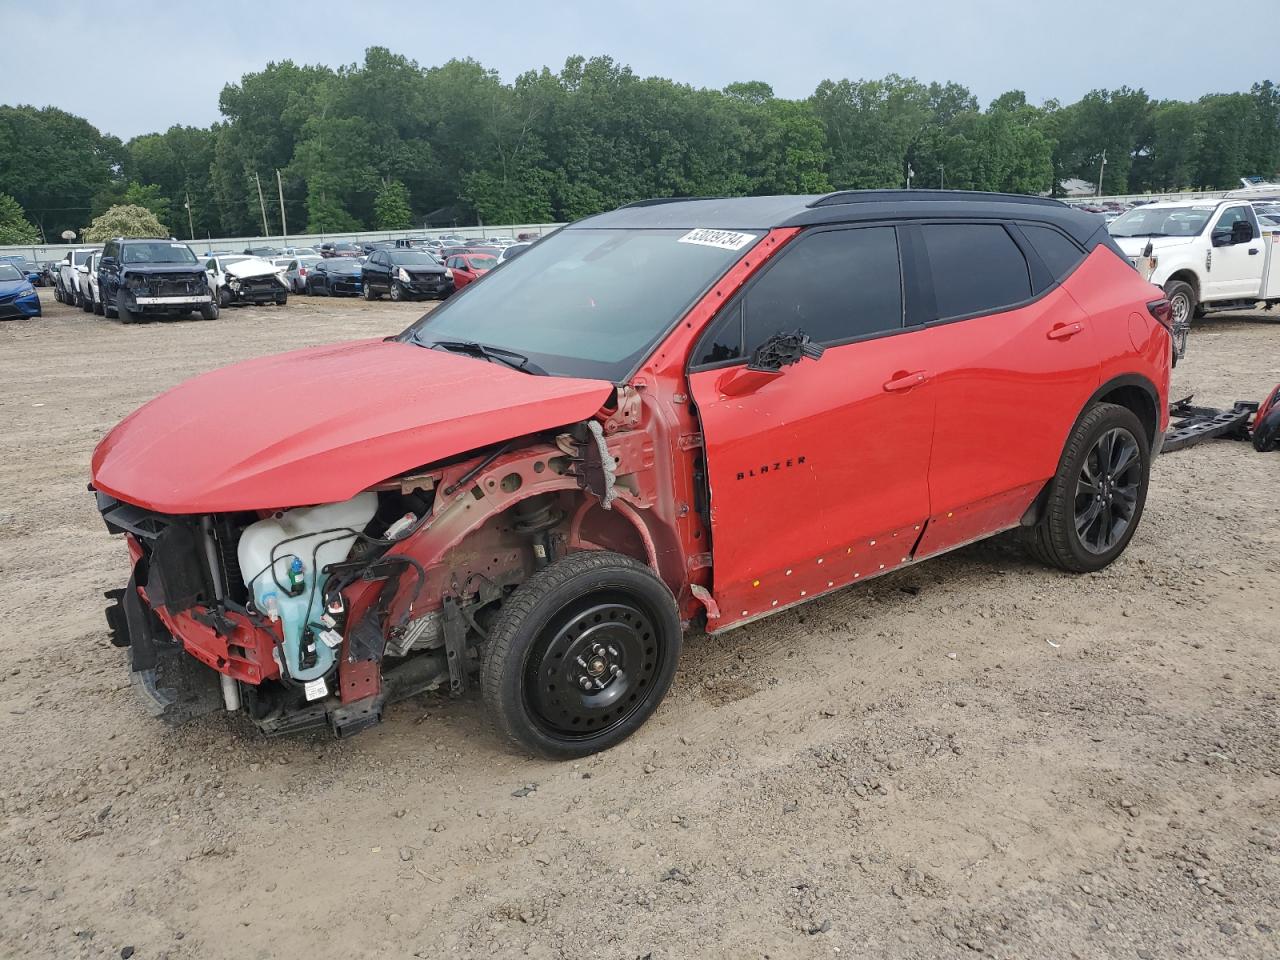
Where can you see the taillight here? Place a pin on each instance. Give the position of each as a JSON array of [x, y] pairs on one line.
[[1162, 312], [302, 271]]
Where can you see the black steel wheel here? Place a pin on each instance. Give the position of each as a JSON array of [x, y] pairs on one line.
[[581, 654], [1096, 498]]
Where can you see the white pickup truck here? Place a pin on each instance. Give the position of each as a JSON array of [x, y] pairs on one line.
[[1208, 255]]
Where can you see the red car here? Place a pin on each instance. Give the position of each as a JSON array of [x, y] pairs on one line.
[[469, 266], [538, 486]]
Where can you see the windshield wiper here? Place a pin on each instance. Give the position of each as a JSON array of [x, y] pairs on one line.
[[516, 361]]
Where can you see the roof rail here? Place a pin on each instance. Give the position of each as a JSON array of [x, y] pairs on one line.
[[655, 201], [898, 196]]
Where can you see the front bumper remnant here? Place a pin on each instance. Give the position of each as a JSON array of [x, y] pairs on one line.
[[173, 686]]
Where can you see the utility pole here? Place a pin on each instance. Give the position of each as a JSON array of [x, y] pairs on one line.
[[191, 226], [910, 173], [942, 176], [262, 204], [284, 226], [1101, 171]]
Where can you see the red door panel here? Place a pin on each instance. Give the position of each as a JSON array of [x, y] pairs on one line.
[[818, 476], [1009, 387]]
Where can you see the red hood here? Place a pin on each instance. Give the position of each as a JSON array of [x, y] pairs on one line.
[[320, 425]]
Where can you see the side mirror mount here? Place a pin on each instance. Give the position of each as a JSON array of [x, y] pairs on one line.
[[782, 350]]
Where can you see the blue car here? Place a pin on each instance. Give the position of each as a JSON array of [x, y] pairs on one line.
[[17, 296], [25, 266]]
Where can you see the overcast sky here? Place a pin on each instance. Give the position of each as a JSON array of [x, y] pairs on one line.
[[147, 65]]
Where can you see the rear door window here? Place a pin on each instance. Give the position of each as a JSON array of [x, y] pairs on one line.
[[976, 268]]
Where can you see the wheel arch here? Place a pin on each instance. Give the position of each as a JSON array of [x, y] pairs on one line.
[[1185, 275], [1132, 391]]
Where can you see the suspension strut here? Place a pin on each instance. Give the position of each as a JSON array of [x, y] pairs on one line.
[[535, 518]]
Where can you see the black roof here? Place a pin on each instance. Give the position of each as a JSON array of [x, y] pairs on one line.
[[846, 206]]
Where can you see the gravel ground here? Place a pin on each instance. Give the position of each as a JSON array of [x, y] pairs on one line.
[[972, 757]]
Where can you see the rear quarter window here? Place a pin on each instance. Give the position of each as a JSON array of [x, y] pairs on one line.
[[1059, 254], [976, 268]]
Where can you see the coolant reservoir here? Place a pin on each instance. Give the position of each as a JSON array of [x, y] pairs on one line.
[[269, 553]]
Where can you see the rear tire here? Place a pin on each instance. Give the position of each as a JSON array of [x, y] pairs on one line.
[[369, 294], [1097, 496], [581, 654]]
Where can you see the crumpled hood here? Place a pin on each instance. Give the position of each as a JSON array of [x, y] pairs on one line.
[[1133, 246], [253, 267], [322, 424]]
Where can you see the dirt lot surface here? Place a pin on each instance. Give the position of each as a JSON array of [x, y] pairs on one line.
[[971, 757]]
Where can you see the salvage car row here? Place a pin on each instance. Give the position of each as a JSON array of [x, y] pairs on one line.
[[131, 278]]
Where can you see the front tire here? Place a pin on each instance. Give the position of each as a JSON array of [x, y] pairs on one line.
[[209, 311], [397, 291], [581, 655], [1182, 303], [122, 310], [1097, 496], [86, 304]]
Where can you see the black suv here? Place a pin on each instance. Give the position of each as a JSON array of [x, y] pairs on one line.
[[153, 277], [406, 274]]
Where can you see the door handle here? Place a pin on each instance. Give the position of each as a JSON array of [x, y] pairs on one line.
[[1065, 331], [905, 381], [1253, 251]]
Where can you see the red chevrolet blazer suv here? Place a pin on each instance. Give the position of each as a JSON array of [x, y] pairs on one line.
[[680, 412]]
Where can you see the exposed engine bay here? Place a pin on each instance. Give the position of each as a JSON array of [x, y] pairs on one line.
[[321, 615]]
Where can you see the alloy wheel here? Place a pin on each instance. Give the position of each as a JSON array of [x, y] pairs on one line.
[[1107, 490]]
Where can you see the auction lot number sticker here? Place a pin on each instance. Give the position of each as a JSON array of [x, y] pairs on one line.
[[724, 239]]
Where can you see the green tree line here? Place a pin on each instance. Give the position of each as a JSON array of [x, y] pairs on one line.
[[387, 143]]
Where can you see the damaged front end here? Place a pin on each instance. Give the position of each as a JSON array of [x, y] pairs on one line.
[[320, 616], [203, 630]]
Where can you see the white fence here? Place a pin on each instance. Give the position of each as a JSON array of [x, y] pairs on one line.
[[55, 251]]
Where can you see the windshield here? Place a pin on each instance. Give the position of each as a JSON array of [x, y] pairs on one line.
[[9, 272], [1161, 222], [407, 258], [158, 252], [81, 257], [584, 302], [482, 262]]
